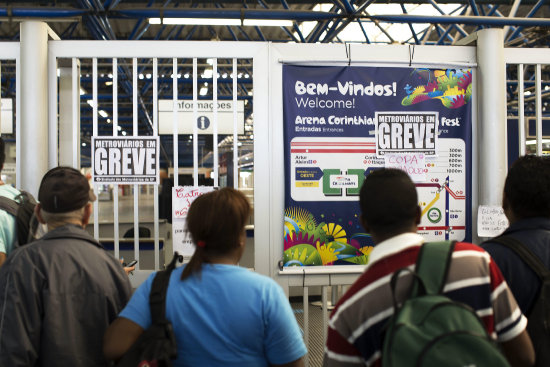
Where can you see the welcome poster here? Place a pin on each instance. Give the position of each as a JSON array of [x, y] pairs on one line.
[[341, 123]]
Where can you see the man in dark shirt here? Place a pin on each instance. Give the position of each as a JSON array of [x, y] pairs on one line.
[[526, 203]]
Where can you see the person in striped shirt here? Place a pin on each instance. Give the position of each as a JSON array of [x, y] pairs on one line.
[[390, 213]]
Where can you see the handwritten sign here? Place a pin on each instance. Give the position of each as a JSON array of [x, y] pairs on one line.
[[491, 221], [414, 164], [182, 198]]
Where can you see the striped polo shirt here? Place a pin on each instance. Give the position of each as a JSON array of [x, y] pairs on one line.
[[357, 322]]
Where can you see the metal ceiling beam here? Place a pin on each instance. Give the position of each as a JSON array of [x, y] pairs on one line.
[[492, 21], [227, 13], [531, 13]]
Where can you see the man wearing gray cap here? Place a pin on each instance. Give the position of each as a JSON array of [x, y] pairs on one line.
[[59, 294]]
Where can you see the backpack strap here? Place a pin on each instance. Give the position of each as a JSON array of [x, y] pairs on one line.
[[525, 254], [432, 265], [157, 297], [8, 205]]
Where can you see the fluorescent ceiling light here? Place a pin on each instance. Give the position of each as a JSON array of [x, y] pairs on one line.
[[268, 22], [533, 142], [217, 21], [203, 91], [102, 113]]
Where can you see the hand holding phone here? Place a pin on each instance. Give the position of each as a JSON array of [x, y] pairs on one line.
[[131, 263]]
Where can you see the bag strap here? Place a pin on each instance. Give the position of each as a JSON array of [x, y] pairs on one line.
[[525, 254], [432, 265], [157, 297], [9, 205]]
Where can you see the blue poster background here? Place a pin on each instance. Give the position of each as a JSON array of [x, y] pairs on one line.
[[335, 107]]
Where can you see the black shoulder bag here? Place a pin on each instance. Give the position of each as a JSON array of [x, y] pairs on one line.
[[157, 345]]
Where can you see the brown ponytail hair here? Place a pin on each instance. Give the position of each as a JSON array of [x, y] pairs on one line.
[[216, 223]]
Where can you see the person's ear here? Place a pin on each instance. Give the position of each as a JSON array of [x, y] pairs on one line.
[[507, 208], [38, 214], [87, 214]]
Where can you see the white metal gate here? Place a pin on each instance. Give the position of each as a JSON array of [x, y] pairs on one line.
[[535, 59], [70, 54], [9, 58]]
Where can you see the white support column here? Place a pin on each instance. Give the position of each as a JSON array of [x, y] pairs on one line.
[[491, 116], [66, 99], [32, 137]]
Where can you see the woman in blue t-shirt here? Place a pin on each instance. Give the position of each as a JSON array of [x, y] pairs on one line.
[[222, 314]]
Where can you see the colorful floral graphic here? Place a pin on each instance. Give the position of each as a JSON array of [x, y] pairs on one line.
[[453, 87], [307, 242]]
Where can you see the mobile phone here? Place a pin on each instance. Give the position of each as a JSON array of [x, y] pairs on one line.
[[131, 263]]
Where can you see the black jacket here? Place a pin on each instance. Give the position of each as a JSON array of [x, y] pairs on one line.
[[57, 297]]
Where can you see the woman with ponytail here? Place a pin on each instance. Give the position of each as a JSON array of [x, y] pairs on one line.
[[222, 314]]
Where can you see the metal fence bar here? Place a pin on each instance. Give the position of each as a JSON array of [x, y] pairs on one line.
[[195, 127], [306, 321], [235, 136], [538, 108], [156, 186], [215, 124], [135, 133], [521, 111], [175, 119], [116, 234], [324, 300], [94, 133]]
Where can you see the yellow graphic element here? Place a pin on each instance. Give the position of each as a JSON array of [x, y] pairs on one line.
[[425, 210], [307, 184], [454, 91], [336, 231], [289, 227], [328, 254], [439, 73], [301, 257], [367, 250], [303, 218], [419, 90]]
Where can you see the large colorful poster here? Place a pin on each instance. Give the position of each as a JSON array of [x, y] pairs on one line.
[[341, 123]]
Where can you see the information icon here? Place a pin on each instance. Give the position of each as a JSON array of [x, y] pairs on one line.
[[203, 122]]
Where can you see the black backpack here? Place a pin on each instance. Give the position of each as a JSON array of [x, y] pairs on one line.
[[22, 208], [157, 345], [538, 325], [429, 329]]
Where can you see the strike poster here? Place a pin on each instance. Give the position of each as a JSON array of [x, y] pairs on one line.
[[125, 160], [341, 123]]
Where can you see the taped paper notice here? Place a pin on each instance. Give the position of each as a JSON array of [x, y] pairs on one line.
[[491, 221], [182, 197]]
